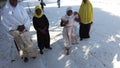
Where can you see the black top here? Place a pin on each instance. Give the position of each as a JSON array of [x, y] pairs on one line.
[[40, 23]]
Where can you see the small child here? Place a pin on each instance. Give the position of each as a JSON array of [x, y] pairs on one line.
[[67, 22], [76, 27], [42, 4], [41, 25], [58, 3]]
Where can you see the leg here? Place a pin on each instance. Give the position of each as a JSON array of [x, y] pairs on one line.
[[16, 46], [70, 30], [17, 39], [83, 31], [68, 39], [40, 40], [42, 6], [47, 40], [88, 30], [74, 37], [26, 59], [20, 44], [65, 37]]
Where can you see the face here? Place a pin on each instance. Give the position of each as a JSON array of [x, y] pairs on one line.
[[69, 12], [38, 11], [85, 1], [13, 3]]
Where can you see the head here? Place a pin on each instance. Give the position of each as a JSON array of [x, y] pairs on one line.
[[69, 11], [38, 11], [13, 3], [85, 1]]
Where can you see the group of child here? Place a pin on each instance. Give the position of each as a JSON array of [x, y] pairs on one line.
[[41, 25], [72, 23], [84, 18], [17, 23]]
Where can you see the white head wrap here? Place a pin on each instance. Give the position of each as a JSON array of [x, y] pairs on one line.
[[69, 8]]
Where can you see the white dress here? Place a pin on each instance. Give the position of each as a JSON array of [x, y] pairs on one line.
[[68, 30], [10, 18]]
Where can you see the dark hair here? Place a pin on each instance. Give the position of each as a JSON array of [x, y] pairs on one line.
[[13, 2]]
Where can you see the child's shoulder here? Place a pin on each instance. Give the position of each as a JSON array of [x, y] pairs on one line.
[[64, 17]]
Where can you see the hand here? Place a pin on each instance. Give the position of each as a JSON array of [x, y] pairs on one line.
[[77, 19], [75, 13], [43, 31], [66, 22], [21, 28], [92, 22], [63, 22]]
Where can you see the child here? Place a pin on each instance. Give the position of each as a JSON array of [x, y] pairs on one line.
[[58, 3], [42, 4], [86, 14], [76, 27], [67, 22], [41, 25]]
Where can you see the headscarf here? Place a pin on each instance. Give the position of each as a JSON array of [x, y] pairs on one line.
[[69, 8], [38, 16], [15, 16], [86, 12]]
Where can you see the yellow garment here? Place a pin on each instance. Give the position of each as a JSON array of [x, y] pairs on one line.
[[38, 16], [86, 12]]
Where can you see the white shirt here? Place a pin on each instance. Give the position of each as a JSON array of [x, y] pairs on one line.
[[70, 19]]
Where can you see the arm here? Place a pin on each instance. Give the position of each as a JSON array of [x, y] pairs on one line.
[[63, 22], [77, 17], [46, 23], [9, 22], [35, 24], [27, 22]]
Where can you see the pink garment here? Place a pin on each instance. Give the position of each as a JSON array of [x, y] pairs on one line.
[[24, 43], [69, 34]]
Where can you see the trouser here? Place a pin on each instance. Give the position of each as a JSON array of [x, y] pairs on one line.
[[43, 40], [74, 37], [24, 43], [84, 30], [67, 36]]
